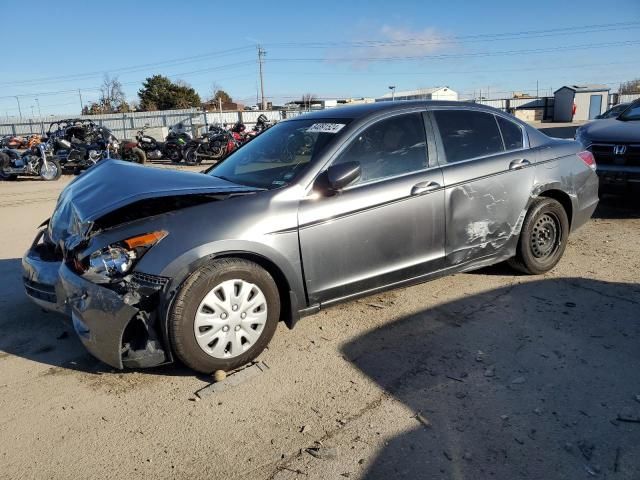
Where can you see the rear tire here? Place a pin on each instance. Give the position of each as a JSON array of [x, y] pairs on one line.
[[6, 160], [223, 299], [543, 238], [138, 156]]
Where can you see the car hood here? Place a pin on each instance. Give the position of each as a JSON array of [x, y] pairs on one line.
[[114, 184], [612, 130]]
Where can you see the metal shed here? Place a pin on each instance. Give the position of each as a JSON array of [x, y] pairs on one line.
[[589, 100]]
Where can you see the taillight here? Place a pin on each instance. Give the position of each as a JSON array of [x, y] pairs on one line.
[[588, 159]]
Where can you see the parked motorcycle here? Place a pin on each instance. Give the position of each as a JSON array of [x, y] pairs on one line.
[[215, 145], [175, 143], [13, 141], [152, 149], [38, 161], [79, 144]]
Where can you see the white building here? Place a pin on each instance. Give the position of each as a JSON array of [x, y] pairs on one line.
[[434, 93], [589, 100]]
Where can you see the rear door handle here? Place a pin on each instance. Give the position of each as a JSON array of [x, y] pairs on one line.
[[519, 163], [424, 187]]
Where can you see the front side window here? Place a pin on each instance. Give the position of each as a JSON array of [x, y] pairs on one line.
[[511, 133], [388, 148], [279, 155], [468, 134]]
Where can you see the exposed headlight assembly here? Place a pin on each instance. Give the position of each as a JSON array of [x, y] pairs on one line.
[[111, 263]]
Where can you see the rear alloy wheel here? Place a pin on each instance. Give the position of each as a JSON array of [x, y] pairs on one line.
[[543, 238], [224, 315]]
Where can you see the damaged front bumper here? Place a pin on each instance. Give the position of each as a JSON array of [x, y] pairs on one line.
[[118, 328]]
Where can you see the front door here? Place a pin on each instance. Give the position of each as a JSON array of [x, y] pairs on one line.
[[595, 106], [386, 227], [488, 176]]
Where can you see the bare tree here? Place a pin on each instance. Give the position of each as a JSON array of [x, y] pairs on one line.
[[308, 99], [112, 96], [630, 87]]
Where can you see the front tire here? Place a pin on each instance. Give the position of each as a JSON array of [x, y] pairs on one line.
[[174, 154], [224, 315], [543, 238], [191, 156], [53, 171]]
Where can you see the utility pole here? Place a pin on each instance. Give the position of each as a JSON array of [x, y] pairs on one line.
[[537, 91], [393, 92], [19, 109], [261, 54], [81, 105], [39, 111]]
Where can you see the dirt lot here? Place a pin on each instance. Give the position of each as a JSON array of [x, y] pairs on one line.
[[481, 375]]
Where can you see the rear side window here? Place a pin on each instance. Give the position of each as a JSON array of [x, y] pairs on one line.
[[468, 134], [511, 134]]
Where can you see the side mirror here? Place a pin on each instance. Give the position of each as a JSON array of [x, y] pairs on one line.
[[337, 177]]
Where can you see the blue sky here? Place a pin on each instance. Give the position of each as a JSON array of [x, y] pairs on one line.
[[329, 48]]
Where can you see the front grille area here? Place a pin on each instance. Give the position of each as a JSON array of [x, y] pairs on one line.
[[605, 154], [41, 291], [149, 280]]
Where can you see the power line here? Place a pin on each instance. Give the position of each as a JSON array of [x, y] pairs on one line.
[[130, 69], [576, 30], [461, 55], [453, 72]]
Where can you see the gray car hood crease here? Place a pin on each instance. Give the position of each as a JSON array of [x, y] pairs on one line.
[[113, 184], [613, 130]]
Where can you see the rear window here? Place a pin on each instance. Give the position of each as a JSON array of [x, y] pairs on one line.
[[468, 134], [511, 134]]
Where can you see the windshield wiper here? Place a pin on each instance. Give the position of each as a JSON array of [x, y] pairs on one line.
[[221, 177]]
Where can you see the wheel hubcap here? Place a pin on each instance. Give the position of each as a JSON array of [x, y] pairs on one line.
[[230, 319], [545, 238]]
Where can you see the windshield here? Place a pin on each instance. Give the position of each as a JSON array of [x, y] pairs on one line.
[[631, 113], [279, 155]]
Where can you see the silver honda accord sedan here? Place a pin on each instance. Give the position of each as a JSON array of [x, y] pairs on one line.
[[155, 265]]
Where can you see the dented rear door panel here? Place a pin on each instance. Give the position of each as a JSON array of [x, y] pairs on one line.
[[486, 201]]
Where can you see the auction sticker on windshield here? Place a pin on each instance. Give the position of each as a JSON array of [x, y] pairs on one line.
[[325, 127]]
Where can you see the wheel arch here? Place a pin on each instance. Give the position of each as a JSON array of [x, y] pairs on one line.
[[561, 197]]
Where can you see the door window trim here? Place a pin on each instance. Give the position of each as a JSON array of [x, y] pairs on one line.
[[440, 145]]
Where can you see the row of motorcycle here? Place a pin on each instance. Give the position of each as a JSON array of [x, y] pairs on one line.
[[77, 144]]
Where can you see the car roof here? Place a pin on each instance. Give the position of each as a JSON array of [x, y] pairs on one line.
[[366, 109]]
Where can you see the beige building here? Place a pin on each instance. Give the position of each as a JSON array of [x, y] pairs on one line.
[[589, 100]]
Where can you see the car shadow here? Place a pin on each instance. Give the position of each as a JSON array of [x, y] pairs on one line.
[[524, 381], [33, 333]]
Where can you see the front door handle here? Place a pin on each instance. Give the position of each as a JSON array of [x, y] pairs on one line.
[[424, 187], [519, 163]]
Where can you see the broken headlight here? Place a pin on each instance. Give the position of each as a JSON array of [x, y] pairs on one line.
[[113, 262]]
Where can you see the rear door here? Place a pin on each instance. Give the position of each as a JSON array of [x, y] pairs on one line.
[[386, 227], [488, 175]]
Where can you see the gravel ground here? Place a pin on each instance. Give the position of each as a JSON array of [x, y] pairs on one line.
[[488, 374]]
